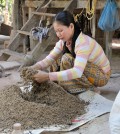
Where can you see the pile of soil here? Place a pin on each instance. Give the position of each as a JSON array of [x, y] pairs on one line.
[[46, 104]]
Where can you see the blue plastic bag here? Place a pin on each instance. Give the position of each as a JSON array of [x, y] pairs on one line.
[[109, 19]]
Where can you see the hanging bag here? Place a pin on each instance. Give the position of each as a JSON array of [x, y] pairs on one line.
[[109, 19], [38, 33]]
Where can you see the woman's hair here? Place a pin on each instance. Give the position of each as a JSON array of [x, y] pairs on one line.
[[66, 18]]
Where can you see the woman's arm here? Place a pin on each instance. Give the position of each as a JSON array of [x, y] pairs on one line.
[[36, 67], [82, 51], [54, 54], [41, 76], [82, 56]]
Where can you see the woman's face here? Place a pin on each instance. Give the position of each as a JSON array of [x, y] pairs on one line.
[[63, 32]]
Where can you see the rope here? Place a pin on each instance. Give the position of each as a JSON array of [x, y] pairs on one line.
[[78, 15], [90, 9]]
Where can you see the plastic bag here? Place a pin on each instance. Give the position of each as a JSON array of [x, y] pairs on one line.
[[38, 33], [109, 19]]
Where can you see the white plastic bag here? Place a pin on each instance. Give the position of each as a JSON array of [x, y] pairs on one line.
[[114, 119], [38, 33]]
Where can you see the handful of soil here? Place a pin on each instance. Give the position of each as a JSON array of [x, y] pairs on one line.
[[27, 74]]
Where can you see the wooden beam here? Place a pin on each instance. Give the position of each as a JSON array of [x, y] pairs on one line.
[[62, 3], [100, 4], [44, 14], [23, 32], [31, 9], [7, 53], [34, 4], [57, 4], [71, 6]]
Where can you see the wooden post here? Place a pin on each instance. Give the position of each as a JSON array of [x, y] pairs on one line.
[[30, 11], [32, 42], [17, 18], [108, 44], [25, 14], [26, 38], [94, 25]]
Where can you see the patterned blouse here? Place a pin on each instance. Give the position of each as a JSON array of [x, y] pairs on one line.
[[86, 49]]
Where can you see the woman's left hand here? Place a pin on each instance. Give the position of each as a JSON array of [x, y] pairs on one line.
[[41, 76]]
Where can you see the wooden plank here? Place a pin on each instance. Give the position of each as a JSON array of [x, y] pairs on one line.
[[34, 4], [100, 4], [54, 3], [30, 11], [44, 14], [15, 42], [62, 3], [47, 5], [4, 57], [6, 53], [23, 32], [71, 6], [59, 3], [14, 53]]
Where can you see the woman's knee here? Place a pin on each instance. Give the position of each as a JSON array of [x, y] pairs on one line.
[[67, 57], [67, 61], [102, 83]]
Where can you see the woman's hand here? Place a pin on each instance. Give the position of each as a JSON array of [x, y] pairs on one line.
[[41, 76]]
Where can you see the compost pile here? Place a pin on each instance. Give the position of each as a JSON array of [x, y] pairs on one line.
[[46, 104]]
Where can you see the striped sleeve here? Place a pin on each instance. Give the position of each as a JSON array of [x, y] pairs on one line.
[[82, 51], [99, 58], [54, 54]]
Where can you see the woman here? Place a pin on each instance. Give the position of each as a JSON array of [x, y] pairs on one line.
[[83, 64]]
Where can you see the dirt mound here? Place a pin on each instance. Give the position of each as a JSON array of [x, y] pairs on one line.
[[48, 104]]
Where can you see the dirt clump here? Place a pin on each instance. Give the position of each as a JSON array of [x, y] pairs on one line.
[[27, 74]]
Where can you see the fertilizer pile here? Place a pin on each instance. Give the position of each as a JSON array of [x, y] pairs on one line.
[[47, 104]]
